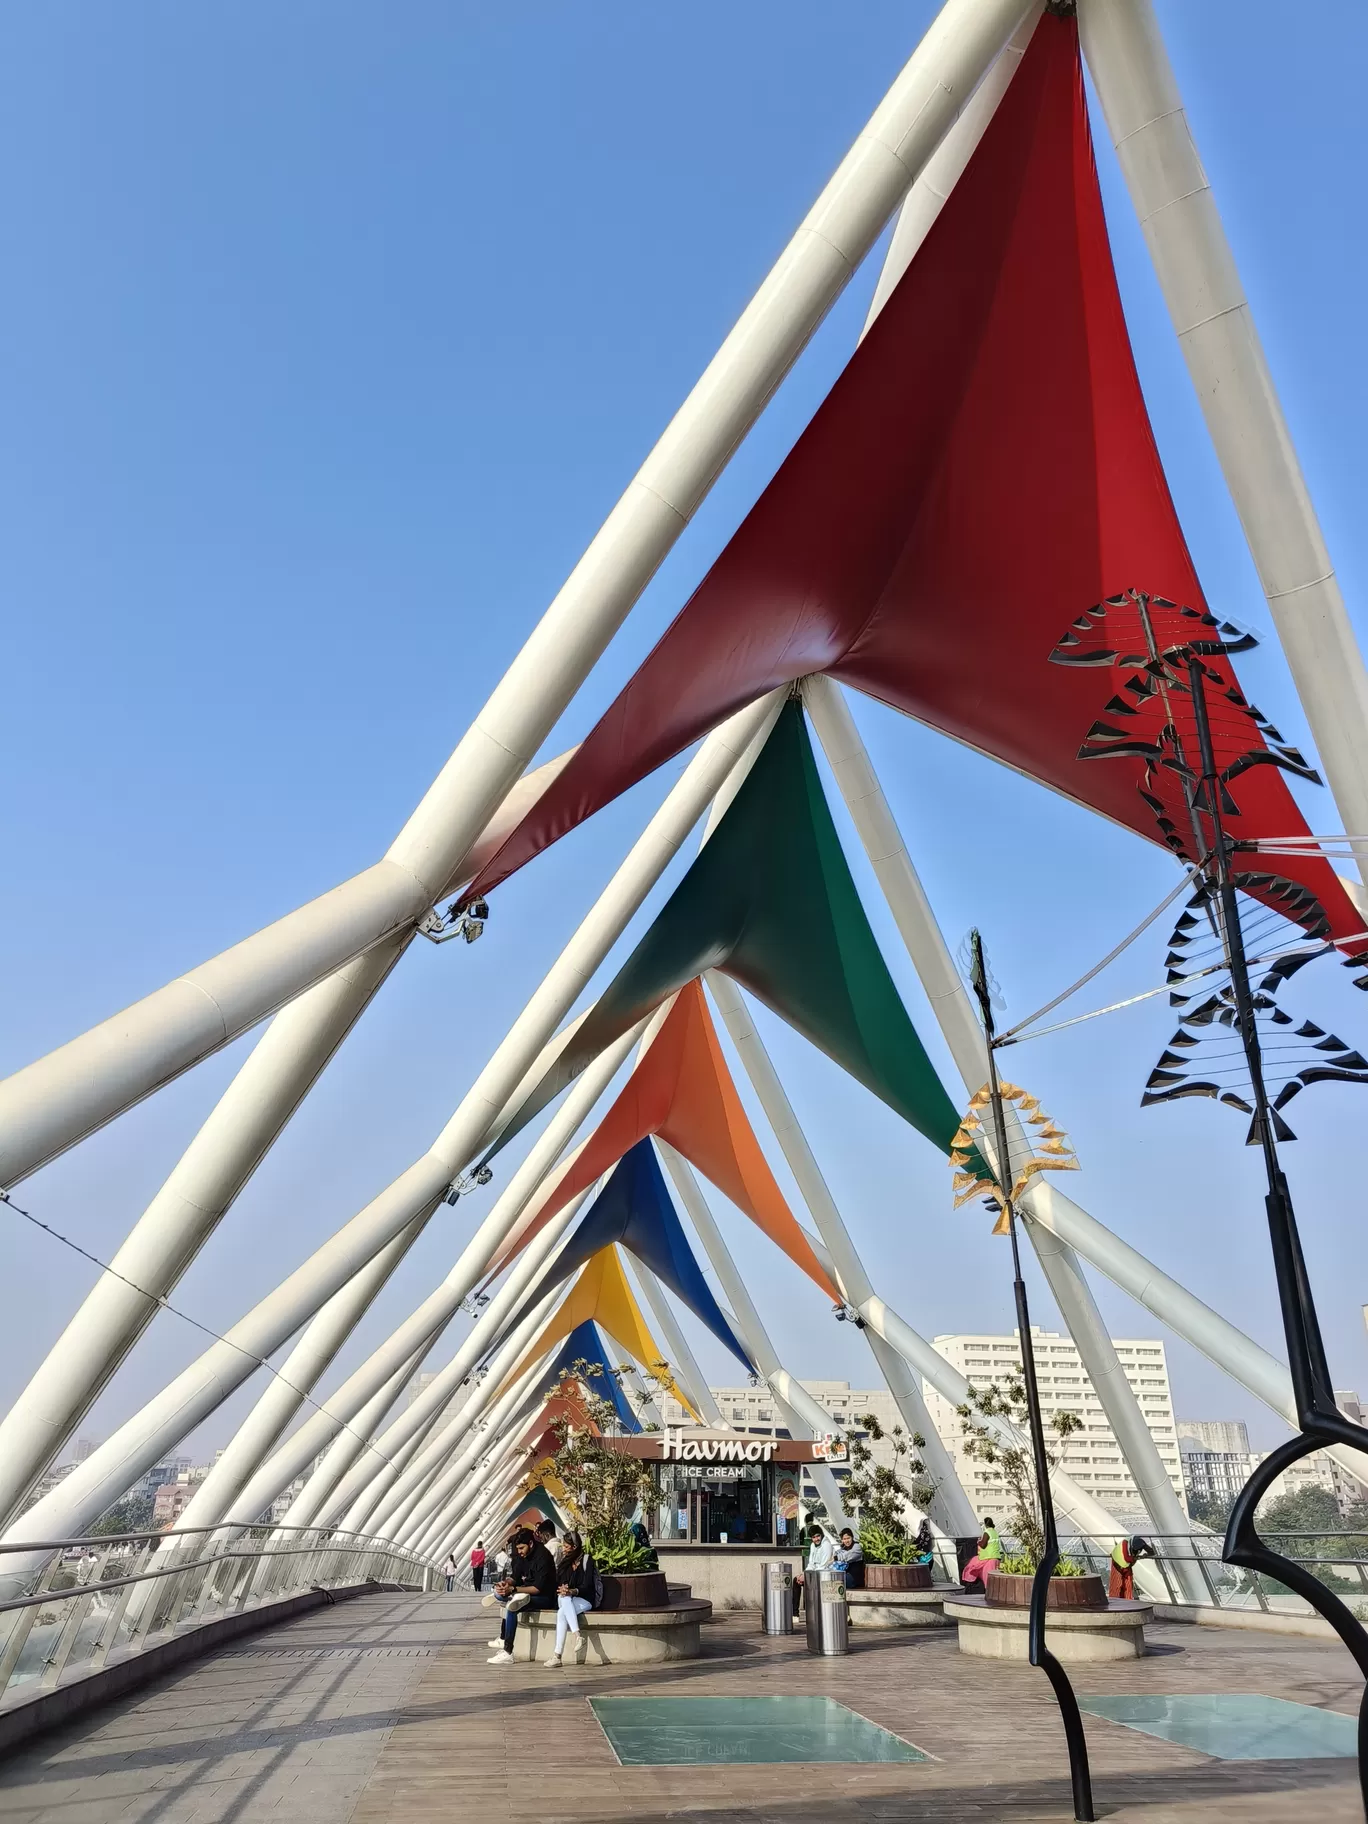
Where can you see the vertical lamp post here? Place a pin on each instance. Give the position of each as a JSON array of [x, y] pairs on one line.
[[1320, 1420], [1038, 1653]]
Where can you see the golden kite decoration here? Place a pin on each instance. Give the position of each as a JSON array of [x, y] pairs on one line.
[[1045, 1150]]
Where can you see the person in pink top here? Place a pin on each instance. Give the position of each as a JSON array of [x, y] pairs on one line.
[[477, 1563]]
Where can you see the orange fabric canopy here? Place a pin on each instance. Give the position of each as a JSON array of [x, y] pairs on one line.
[[682, 1091]]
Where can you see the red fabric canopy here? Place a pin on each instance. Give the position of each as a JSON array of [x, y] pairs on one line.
[[982, 474]]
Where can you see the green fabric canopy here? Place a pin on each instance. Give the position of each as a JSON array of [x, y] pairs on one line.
[[770, 901]]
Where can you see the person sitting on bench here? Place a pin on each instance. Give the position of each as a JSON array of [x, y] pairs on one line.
[[530, 1584], [975, 1573], [579, 1588], [820, 1556]]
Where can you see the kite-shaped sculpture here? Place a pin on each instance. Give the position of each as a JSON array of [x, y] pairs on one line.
[[635, 1210], [682, 1091], [982, 473], [1028, 1154], [1205, 1056]]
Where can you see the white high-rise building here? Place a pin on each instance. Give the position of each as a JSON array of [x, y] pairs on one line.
[[745, 1407], [1229, 1436], [1091, 1456]]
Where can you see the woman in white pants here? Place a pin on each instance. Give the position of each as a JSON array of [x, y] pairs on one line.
[[579, 1589]]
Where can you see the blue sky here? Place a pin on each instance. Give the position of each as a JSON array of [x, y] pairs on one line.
[[329, 336]]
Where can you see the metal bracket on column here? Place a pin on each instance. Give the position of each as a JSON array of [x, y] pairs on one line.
[[466, 1183], [469, 923]]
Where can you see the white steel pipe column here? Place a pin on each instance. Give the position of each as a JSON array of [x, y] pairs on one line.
[[532, 1183], [474, 1468], [55, 1101], [202, 1387], [470, 1521], [426, 1324], [359, 1460], [682, 1359], [505, 1470], [950, 1510], [1182, 1311], [883, 843], [1216, 332], [288, 1390], [480, 1516], [242, 1127], [802, 1412], [633, 1384], [943, 170], [470, 1436], [420, 1330], [303, 1510], [380, 1463], [467, 1514], [445, 1428], [507, 1416]]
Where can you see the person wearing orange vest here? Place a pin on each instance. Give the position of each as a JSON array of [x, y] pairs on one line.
[[1121, 1583]]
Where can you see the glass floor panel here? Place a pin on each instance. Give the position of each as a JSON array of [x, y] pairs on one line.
[[742, 1731], [1246, 1728]]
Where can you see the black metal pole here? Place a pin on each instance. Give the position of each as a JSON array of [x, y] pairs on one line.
[[1038, 1653], [1319, 1419], [1310, 1369]]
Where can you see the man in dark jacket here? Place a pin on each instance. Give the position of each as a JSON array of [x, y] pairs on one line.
[[530, 1584]]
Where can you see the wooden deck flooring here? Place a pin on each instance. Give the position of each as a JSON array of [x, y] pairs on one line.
[[383, 1711]]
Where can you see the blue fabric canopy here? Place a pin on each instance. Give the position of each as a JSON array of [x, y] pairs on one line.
[[584, 1344], [635, 1208]]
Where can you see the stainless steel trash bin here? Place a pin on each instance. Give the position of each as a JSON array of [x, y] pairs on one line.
[[828, 1618], [776, 1597]]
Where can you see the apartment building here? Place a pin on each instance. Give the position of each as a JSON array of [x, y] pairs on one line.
[[1091, 1456], [1229, 1436], [1214, 1475]]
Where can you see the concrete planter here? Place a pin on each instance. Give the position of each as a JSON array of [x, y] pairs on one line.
[[622, 1637], [1116, 1631], [897, 1577], [1008, 1591], [897, 1608], [636, 1590]]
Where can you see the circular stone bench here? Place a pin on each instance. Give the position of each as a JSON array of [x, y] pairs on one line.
[[898, 1608], [1074, 1636], [616, 1637]]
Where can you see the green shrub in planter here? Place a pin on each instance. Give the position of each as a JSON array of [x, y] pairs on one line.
[[1022, 1564], [879, 1494], [618, 1552], [885, 1545]]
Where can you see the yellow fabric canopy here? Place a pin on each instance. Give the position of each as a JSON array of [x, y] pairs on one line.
[[602, 1295]]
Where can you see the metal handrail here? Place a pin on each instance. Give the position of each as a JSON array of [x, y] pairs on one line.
[[1227, 1586], [95, 1586], [157, 1592], [166, 1536]]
